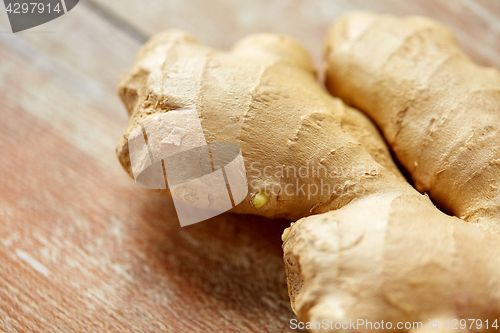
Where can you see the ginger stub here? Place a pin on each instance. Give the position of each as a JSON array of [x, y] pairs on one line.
[[376, 248]]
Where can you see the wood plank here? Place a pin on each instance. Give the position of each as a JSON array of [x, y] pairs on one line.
[[81, 247], [83, 42], [220, 23]]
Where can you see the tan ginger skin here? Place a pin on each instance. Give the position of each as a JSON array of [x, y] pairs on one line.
[[264, 97], [384, 253], [438, 110]]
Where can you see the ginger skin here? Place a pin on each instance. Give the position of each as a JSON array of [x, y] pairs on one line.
[[263, 96], [439, 112], [379, 249], [394, 258]]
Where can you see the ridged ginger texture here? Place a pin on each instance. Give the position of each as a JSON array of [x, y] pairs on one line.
[[377, 250], [438, 110]]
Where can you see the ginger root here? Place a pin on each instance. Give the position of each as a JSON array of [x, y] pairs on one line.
[[394, 258], [438, 110], [263, 96], [378, 248]]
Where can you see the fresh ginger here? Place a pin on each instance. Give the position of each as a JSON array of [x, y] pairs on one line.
[[264, 97], [394, 258], [377, 248], [438, 110]]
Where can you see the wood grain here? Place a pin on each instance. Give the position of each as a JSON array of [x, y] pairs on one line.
[[82, 249], [220, 23]]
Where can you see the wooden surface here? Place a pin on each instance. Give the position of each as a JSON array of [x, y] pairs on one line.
[[82, 249]]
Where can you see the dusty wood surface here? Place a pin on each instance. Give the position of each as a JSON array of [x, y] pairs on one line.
[[220, 23], [82, 249]]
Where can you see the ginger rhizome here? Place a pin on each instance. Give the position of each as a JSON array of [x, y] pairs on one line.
[[438, 110], [263, 96], [376, 249]]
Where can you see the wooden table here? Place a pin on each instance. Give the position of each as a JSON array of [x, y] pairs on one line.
[[82, 249]]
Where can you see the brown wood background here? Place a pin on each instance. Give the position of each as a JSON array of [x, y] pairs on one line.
[[82, 249]]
